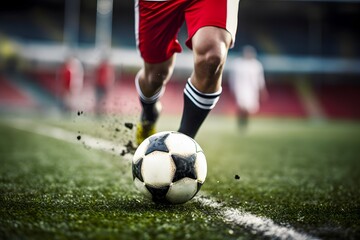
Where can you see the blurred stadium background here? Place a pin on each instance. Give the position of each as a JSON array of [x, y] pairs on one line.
[[310, 51], [294, 172]]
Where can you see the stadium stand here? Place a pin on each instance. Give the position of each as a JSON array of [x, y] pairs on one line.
[[292, 37], [47, 79], [340, 100], [13, 97]]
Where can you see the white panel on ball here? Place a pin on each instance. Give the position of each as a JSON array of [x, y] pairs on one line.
[[180, 143], [182, 190], [157, 169], [201, 167]]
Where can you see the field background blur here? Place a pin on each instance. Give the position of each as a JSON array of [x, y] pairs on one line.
[[310, 51]]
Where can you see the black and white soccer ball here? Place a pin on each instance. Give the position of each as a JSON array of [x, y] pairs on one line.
[[169, 167]]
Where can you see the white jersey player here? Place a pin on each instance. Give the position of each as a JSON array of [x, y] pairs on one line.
[[247, 82]]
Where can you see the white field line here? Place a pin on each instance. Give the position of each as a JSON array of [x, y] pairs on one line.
[[257, 225], [70, 136], [235, 217]]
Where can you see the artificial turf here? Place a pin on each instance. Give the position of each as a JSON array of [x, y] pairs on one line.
[[297, 173]]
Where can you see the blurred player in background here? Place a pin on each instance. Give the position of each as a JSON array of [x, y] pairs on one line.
[[9, 55], [211, 26], [247, 82], [72, 79], [105, 78]]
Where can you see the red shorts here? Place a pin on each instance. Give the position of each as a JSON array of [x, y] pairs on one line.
[[157, 23]]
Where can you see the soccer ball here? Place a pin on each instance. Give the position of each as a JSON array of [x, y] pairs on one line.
[[169, 167]]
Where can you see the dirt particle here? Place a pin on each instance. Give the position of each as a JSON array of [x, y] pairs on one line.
[[130, 148], [78, 137], [117, 129], [123, 152], [237, 177], [129, 125]]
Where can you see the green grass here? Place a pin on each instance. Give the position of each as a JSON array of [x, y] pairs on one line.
[[305, 175], [297, 173]]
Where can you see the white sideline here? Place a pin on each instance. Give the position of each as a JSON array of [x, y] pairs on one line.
[[257, 225], [235, 217], [69, 136]]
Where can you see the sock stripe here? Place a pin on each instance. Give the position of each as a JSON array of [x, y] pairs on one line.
[[203, 95], [198, 103], [202, 100]]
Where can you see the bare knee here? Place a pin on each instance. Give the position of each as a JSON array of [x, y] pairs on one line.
[[210, 52], [208, 61]]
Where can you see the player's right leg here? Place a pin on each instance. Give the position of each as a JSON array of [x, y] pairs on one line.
[[150, 83], [211, 30], [203, 89]]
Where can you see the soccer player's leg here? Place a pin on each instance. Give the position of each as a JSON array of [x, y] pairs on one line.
[[150, 85], [211, 29], [157, 25], [144, 128], [203, 89]]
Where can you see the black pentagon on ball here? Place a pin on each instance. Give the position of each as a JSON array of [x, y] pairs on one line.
[[136, 170], [185, 166], [157, 143], [159, 194]]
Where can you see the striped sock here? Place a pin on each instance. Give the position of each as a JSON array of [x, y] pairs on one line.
[[149, 113], [197, 106]]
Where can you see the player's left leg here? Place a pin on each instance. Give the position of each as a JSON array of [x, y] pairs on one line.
[[150, 83], [210, 46], [157, 26]]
